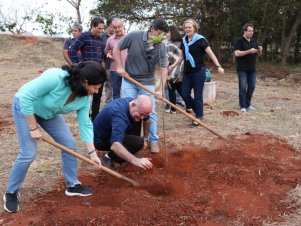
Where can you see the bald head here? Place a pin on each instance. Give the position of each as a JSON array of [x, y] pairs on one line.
[[144, 103], [140, 107]]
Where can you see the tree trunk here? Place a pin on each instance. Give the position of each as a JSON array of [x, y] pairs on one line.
[[288, 40], [76, 5]]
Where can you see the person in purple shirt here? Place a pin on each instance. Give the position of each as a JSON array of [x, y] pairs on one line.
[[111, 43], [92, 49], [117, 130]]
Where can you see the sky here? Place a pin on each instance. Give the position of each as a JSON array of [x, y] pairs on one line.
[[51, 6]]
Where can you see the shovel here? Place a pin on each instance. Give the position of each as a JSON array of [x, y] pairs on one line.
[[172, 105], [107, 170]]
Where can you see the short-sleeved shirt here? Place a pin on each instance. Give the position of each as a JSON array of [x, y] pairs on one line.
[[142, 59], [67, 45], [247, 62], [90, 46], [111, 43], [197, 51], [113, 121]]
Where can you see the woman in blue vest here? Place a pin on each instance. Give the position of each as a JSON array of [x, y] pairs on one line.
[[194, 48], [41, 103]]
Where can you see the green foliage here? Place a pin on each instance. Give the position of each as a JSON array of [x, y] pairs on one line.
[[220, 20], [157, 39], [47, 24], [51, 24]]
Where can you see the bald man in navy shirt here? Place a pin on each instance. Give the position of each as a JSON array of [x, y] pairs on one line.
[[117, 130]]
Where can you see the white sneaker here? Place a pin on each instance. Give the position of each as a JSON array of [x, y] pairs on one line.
[[251, 108], [243, 110], [154, 147], [189, 110]]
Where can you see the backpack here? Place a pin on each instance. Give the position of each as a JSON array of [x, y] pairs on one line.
[[208, 75]]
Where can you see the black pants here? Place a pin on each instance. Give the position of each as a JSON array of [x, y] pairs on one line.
[[96, 103], [133, 142], [172, 88]]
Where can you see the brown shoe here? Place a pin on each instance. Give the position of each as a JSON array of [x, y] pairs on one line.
[[154, 147]]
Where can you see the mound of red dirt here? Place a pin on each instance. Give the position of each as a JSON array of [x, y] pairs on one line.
[[245, 180]]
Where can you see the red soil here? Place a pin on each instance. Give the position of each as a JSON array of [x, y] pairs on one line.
[[245, 180], [229, 113]]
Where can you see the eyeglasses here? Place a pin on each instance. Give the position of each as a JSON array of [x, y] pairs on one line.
[[143, 114]]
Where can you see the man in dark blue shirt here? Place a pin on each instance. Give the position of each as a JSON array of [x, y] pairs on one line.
[[92, 48], [117, 129], [246, 50], [76, 31]]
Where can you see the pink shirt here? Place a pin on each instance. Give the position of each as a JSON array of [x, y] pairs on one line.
[[111, 42]]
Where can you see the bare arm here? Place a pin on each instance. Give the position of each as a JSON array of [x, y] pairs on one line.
[[164, 74], [92, 153], [121, 151], [215, 60], [117, 57], [171, 67], [34, 129], [66, 56], [240, 53]]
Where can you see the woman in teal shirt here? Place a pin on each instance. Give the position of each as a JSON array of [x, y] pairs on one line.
[[41, 103]]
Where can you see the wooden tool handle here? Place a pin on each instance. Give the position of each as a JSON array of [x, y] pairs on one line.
[[107, 170], [173, 105]]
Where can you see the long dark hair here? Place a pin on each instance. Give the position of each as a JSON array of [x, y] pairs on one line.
[[88, 71], [175, 35]]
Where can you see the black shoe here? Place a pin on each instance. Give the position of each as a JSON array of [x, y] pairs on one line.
[[11, 203], [78, 190], [194, 124], [189, 110], [106, 162], [181, 104], [173, 112]]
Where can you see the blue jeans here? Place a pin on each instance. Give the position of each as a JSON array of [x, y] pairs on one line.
[[247, 81], [196, 82], [116, 83], [130, 90], [58, 129]]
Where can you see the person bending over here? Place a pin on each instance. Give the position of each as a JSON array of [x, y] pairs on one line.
[[41, 103], [117, 129]]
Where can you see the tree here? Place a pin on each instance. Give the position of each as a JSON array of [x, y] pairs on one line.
[[287, 40], [15, 19], [76, 5], [276, 22], [51, 24]]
